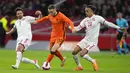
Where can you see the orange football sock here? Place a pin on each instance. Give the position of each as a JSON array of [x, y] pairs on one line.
[[59, 55], [50, 57]]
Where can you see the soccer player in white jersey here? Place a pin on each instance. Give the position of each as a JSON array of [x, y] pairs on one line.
[[23, 27], [92, 24]]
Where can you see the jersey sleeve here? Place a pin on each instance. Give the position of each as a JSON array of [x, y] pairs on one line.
[[42, 19], [67, 20], [30, 19], [101, 20], [126, 23], [80, 26], [14, 26], [82, 23]]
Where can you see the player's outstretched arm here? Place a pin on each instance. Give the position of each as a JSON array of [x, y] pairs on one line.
[[80, 26], [76, 29], [11, 31], [111, 25], [41, 20], [114, 26], [73, 31], [68, 21]]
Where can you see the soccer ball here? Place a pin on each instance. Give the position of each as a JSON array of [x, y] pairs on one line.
[[46, 66]]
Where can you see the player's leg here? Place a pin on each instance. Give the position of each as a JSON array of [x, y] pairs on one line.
[[23, 45], [34, 62], [57, 53], [118, 41], [76, 50], [125, 45], [26, 42], [50, 56], [84, 54], [19, 51]]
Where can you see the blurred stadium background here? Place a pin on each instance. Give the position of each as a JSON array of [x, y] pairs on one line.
[[74, 9]]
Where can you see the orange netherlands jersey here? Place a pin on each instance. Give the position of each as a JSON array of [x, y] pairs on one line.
[[58, 23]]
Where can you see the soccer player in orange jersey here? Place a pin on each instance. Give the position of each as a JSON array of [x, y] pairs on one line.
[[59, 22]]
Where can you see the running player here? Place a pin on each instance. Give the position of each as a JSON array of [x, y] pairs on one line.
[[58, 22], [23, 27], [92, 24]]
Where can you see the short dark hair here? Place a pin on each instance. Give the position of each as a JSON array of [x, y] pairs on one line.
[[93, 8], [18, 9], [51, 6]]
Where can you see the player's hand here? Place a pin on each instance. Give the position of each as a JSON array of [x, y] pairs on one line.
[[38, 12], [7, 33], [123, 29], [73, 31]]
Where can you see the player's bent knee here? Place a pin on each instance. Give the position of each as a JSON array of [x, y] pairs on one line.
[[52, 52], [74, 52], [82, 54], [20, 48]]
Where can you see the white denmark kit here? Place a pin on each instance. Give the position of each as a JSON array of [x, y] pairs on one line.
[[92, 25], [24, 32]]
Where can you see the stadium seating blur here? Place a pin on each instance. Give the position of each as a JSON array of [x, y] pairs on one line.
[[74, 9], [71, 8]]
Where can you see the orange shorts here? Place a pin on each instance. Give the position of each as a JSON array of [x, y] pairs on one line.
[[56, 41]]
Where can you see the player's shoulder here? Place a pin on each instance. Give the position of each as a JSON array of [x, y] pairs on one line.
[[86, 18], [98, 16], [124, 19], [17, 21], [60, 14], [117, 19], [27, 16]]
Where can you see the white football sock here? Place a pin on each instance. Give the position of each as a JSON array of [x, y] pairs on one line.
[[76, 59], [26, 60], [18, 59], [87, 57]]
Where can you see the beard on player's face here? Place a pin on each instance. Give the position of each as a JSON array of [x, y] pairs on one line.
[[52, 12], [19, 14]]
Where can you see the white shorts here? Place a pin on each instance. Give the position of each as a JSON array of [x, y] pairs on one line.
[[24, 41], [83, 44]]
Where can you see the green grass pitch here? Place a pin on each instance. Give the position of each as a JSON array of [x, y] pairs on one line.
[[109, 62]]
